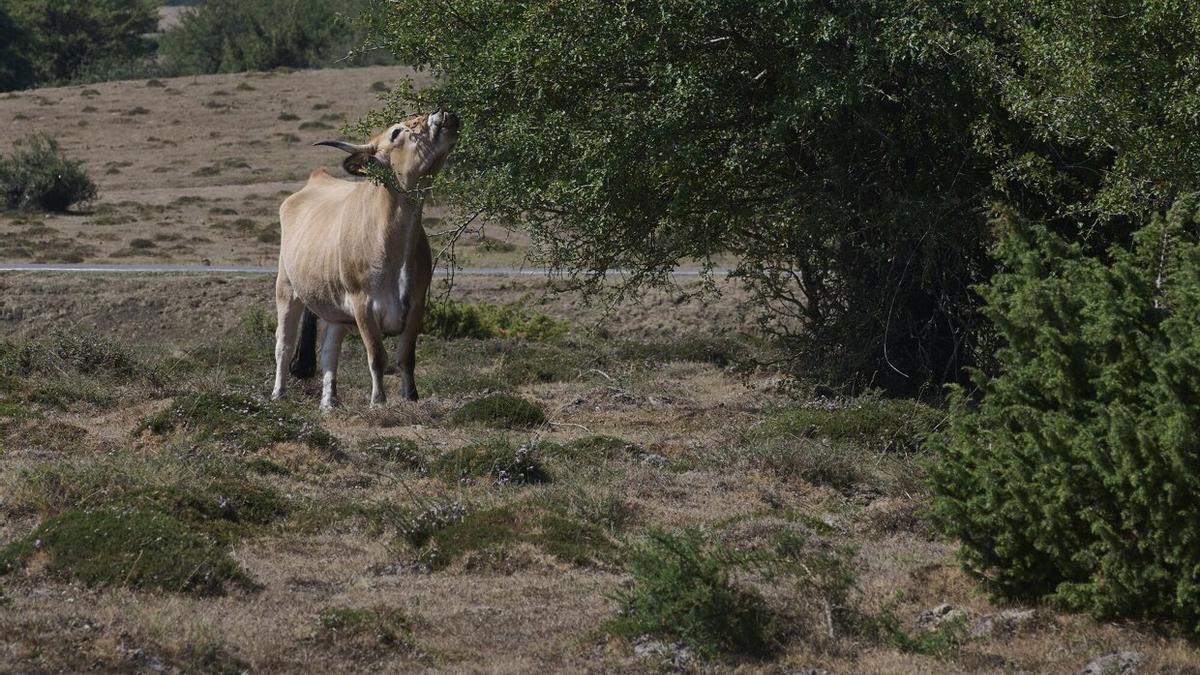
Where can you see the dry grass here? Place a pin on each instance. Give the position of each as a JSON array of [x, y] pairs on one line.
[[518, 576]]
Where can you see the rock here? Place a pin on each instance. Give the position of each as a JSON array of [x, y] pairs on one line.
[[674, 654], [936, 616], [1117, 663], [654, 459], [1003, 624]]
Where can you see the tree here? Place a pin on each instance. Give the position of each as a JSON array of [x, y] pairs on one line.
[[846, 153], [16, 71], [1073, 474], [67, 35]]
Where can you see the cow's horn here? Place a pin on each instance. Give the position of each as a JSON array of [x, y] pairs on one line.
[[347, 147]]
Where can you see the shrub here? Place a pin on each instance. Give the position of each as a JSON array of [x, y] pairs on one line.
[[452, 320], [683, 590], [1072, 476], [126, 545], [505, 411], [37, 175], [238, 422], [226, 36], [496, 458]]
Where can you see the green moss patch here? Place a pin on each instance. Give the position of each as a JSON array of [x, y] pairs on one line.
[[452, 320], [496, 459], [237, 422], [127, 545], [589, 448], [503, 411], [568, 539]]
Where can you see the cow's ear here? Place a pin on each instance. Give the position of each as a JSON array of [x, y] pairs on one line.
[[356, 164]]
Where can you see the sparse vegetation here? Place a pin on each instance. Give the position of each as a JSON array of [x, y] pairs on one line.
[[38, 175], [366, 628]]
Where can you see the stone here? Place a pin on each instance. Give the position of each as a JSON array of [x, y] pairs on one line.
[[936, 616], [1117, 663], [1003, 624]]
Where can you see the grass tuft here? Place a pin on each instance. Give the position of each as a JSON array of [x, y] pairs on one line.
[[237, 422], [504, 411], [496, 459], [366, 628], [394, 449]]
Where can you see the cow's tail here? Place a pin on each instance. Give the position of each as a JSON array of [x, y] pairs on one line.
[[304, 361]]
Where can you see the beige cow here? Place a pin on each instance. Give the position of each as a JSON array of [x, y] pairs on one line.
[[354, 253]]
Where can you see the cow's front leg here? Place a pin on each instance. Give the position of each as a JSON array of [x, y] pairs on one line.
[[288, 309], [331, 349], [372, 337]]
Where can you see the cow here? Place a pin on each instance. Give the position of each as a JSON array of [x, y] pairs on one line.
[[354, 254]]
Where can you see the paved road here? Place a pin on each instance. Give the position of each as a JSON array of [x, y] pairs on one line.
[[88, 268]]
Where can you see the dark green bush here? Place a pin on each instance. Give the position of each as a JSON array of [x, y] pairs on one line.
[[683, 590], [504, 411], [1073, 474], [127, 545], [37, 175], [226, 36]]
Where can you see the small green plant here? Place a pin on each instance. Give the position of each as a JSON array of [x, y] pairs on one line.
[[504, 411], [941, 641], [417, 526], [496, 459], [237, 422], [683, 590], [127, 545], [37, 175]]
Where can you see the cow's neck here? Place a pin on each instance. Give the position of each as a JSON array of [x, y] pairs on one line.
[[404, 220]]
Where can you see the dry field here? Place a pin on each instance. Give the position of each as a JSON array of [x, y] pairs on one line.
[[158, 515], [193, 169]]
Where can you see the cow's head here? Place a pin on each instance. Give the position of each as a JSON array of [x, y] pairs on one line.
[[414, 150]]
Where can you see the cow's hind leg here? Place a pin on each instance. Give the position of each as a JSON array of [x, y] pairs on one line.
[[406, 352], [331, 348], [372, 337], [288, 309]]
